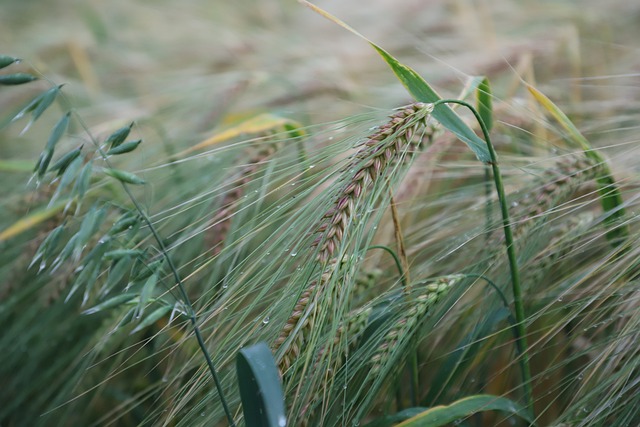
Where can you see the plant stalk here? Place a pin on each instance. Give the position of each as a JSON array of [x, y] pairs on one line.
[[176, 275], [520, 329]]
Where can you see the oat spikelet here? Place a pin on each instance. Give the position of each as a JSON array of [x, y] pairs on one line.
[[394, 142]]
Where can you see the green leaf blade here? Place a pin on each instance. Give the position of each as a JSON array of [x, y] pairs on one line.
[[610, 195], [152, 318], [484, 103], [422, 92], [260, 389], [111, 303], [463, 408]]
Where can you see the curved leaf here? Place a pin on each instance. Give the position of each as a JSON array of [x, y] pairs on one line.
[[442, 415], [152, 318], [32, 220], [260, 389], [610, 196], [485, 103], [422, 92], [256, 125], [394, 419], [112, 302]]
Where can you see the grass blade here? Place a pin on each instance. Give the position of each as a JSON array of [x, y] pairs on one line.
[[111, 303], [485, 103], [255, 125], [32, 220], [152, 318], [421, 91], [260, 389], [442, 415], [610, 196], [392, 420]]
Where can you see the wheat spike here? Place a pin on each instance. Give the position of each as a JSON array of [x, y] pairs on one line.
[[405, 326], [394, 142]]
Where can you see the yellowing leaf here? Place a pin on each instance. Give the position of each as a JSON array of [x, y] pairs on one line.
[[260, 124], [31, 221], [610, 195]]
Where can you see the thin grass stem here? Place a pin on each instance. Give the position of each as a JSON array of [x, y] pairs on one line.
[[403, 278], [172, 267], [521, 340]]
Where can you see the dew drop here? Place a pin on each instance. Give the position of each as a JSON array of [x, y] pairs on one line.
[[43, 265], [294, 253], [312, 166], [282, 421], [265, 320], [202, 414], [515, 204]]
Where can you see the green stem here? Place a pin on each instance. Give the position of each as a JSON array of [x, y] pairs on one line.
[[403, 278], [488, 211], [521, 341], [176, 275]]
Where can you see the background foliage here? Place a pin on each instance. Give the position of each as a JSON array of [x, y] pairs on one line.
[[250, 115]]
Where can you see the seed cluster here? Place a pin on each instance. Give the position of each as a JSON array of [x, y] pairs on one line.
[[562, 243], [382, 149], [405, 325], [556, 184], [391, 143], [217, 234], [300, 311]]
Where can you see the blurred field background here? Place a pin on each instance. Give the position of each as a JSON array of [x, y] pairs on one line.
[[187, 66], [183, 70]]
